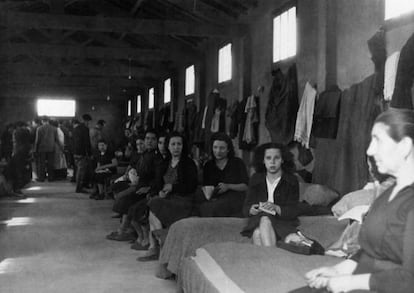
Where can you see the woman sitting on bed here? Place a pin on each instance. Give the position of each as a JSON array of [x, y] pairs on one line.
[[224, 180], [176, 195], [385, 262], [273, 196]]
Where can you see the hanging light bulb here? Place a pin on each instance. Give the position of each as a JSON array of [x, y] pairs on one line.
[[108, 97], [129, 68]]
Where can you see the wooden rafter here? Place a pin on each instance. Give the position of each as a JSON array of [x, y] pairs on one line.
[[132, 13], [111, 70], [52, 80], [89, 92], [115, 24], [10, 50]]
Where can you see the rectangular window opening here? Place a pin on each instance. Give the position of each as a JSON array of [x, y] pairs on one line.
[[167, 91], [396, 8], [139, 104], [56, 107], [190, 80], [129, 107], [151, 98], [225, 63], [284, 35]]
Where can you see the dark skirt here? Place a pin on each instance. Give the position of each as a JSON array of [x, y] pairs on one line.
[[171, 209], [101, 178], [120, 186], [139, 212], [229, 204], [282, 228], [122, 204]]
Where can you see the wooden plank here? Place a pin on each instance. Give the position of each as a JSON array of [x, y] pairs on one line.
[[136, 7], [111, 70], [71, 81], [116, 24], [14, 49], [97, 93]]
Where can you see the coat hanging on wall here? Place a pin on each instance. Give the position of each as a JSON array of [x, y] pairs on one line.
[[283, 106]]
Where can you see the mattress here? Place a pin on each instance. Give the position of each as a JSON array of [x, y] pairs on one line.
[[240, 267]]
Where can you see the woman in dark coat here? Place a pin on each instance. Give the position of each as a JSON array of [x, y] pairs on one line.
[[272, 199], [175, 198], [385, 262], [225, 180]]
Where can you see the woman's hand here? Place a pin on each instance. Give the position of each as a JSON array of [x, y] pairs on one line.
[[254, 209], [222, 187], [271, 206], [166, 190], [319, 278]]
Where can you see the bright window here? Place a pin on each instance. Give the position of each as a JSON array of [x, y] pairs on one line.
[[189, 80], [167, 91], [139, 104], [129, 107], [151, 98], [284, 35], [225, 63], [395, 8], [56, 108]]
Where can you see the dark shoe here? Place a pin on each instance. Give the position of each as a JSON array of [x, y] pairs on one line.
[[117, 216], [99, 197], [164, 273], [40, 180], [138, 246], [120, 236], [93, 195], [152, 257], [81, 190]]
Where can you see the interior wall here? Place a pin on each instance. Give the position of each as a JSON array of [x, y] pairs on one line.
[[357, 22]]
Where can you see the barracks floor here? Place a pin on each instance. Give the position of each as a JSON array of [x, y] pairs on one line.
[[54, 241]]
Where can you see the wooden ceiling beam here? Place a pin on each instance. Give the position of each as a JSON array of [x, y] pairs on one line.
[[115, 24], [203, 11], [112, 70], [14, 49], [132, 13], [14, 80], [136, 6], [99, 93]]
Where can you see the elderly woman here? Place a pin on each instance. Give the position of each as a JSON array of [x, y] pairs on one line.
[[273, 196], [225, 180], [385, 262]]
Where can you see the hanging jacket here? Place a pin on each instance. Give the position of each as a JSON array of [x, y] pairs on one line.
[[326, 114], [283, 106], [249, 123], [404, 79]]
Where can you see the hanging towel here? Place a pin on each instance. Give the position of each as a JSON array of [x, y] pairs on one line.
[[203, 123], [391, 66], [250, 109], [305, 116]]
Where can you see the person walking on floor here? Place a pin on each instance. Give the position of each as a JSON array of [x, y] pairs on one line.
[[44, 146], [81, 150]]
